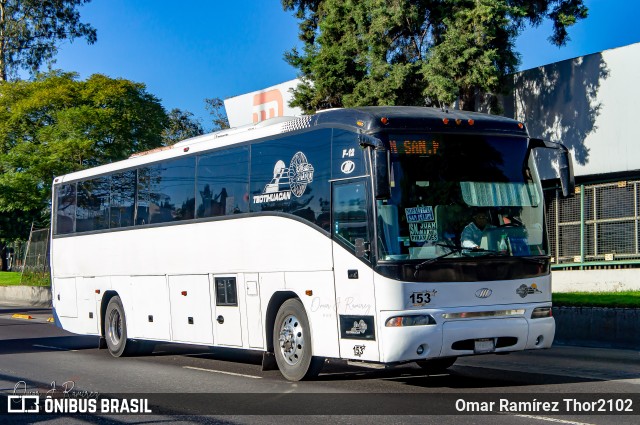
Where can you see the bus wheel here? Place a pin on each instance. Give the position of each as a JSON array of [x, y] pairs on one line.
[[437, 365], [115, 329], [292, 343]]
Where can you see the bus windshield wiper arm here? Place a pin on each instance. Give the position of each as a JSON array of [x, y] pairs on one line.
[[453, 248]]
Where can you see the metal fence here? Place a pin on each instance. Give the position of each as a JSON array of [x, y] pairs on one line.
[[36, 259], [596, 228]]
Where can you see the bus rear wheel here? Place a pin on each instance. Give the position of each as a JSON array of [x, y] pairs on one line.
[[292, 343], [115, 332], [437, 365]]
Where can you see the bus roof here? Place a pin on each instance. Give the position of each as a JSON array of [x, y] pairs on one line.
[[372, 119], [369, 120]]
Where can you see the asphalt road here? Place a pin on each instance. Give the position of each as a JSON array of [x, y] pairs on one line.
[[190, 384]]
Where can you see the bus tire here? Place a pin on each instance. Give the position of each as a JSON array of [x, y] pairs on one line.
[[115, 329], [439, 365], [292, 343]]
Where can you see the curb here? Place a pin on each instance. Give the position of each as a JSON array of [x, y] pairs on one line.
[[35, 296], [598, 327]]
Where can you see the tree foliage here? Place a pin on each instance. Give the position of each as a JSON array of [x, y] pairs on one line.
[[419, 52], [30, 31], [57, 124], [215, 106], [181, 125]]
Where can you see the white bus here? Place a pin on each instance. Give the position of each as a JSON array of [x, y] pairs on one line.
[[336, 235]]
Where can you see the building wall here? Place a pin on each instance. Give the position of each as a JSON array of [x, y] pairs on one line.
[[587, 103]]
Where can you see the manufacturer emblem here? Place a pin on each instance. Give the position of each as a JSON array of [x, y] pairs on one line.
[[348, 167], [524, 290], [484, 293]]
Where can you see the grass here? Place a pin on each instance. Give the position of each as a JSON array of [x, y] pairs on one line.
[[9, 278], [28, 279], [626, 299]]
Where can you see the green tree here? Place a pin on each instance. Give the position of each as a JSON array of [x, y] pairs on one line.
[[30, 31], [181, 125], [419, 52], [57, 124], [215, 106]]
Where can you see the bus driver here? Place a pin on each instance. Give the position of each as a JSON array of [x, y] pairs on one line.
[[472, 233]]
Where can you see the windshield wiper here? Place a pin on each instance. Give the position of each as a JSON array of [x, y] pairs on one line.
[[464, 250], [453, 248]]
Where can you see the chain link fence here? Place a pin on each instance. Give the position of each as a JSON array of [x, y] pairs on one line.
[[596, 228], [36, 259]]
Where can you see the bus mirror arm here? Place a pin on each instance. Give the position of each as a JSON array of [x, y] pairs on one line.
[[565, 164], [380, 165], [382, 188]]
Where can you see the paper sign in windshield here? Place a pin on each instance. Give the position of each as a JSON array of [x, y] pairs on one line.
[[422, 227], [417, 214], [423, 232]]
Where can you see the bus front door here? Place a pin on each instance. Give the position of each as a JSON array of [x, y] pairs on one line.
[[353, 275]]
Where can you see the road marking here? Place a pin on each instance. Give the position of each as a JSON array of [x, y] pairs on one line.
[[558, 421], [223, 372], [21, 316], [49, 347]]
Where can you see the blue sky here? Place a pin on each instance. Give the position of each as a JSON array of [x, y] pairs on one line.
[[190, 50]]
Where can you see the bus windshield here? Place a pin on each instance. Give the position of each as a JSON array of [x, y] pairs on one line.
[[456, 195]]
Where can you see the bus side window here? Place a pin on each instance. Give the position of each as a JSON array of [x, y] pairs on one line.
[[223, 183], [65, 208], [350, 214]]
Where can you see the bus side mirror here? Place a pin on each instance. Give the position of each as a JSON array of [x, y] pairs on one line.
[[382, 187], [561, 163], [565, 169]]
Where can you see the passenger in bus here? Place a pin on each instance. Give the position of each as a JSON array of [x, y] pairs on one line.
[[472, 233]]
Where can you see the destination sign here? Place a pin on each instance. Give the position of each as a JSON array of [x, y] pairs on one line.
[[413, 145]]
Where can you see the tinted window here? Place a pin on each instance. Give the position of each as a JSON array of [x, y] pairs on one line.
[[170, 193], [123, 193], [291, 175], [223, 183], [142, 214], [350, 213], [226, 291], [66, 208], [92, 211]]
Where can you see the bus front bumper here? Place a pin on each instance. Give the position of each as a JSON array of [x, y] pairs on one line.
[[463, 337]]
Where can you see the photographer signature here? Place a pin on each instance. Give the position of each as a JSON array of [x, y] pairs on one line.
[[65, 390]]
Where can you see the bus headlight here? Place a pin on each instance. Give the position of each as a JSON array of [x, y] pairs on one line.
[[400, 321], [540, 312]]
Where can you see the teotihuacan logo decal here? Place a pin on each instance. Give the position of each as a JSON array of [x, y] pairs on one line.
[[287, 180]]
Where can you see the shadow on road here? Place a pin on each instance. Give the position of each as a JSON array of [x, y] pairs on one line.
[[55, 343]]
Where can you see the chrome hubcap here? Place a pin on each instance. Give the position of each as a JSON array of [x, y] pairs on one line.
[[291, 340], [115, 327]]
